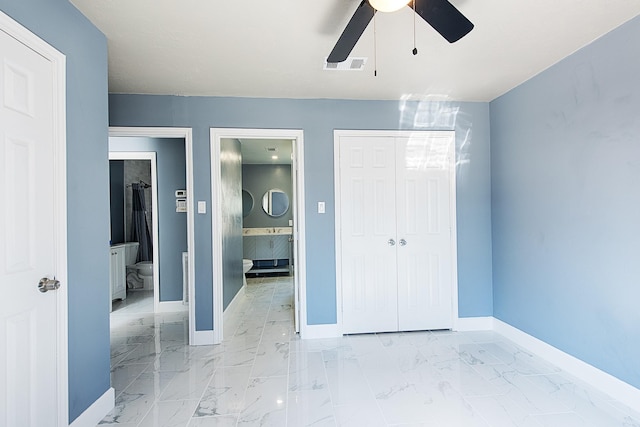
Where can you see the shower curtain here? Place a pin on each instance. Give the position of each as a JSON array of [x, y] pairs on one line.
[[139, 228]]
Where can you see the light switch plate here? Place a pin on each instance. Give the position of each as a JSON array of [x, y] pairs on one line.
[[202, 206], [321, 208]]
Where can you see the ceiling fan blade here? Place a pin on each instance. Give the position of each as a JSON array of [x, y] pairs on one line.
[[352, 32], [444, 18]]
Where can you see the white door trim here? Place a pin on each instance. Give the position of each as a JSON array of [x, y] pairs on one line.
[[58, 61], [186, 133], [151, 156], [337, 134], [297, 168]]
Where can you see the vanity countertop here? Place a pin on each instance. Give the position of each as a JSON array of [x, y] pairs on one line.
[[266, 231]]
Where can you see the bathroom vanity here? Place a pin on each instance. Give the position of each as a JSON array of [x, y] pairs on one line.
[[117, 273], [268, 244]]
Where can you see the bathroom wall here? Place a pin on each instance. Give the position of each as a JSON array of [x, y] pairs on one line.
[[171, 170], [116, 201], [257, 179], [231, 206]]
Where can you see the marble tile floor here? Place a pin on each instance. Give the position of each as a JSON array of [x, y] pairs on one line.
[[263, 375]]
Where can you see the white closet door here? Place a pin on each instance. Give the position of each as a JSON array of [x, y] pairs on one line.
[[368, 224], [424, 232]]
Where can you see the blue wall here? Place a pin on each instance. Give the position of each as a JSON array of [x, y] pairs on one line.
[[172, 225], [63, 27], [566, 204], [231, 207], [318, 119]]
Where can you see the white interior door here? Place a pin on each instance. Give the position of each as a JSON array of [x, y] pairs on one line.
[[368, 233], [28, 318], [424, 232]]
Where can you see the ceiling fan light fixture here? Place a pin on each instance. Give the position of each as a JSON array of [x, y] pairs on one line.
[[388, 5]]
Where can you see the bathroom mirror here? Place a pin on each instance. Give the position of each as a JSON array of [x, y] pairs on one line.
[[275, 202], [247, 203]]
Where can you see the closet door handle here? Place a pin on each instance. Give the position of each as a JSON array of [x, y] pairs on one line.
[[403, 242], [391, 242]]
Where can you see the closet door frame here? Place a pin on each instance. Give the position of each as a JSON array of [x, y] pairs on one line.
[[337, 135]]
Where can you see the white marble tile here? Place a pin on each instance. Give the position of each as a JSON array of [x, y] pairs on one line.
[[129, 408], [265, 402], [306, 372], [123, 375], [225, 393], [347, 383], [263, 374], [340, 343], [359, 414], [190, 384], [151, 383], [272, 359], [217, 421], [532, 398], [465, 380], [589, 404], [278, 331], [310, 408], [169, 414], [502, 411], [568, 419], [475, 354]]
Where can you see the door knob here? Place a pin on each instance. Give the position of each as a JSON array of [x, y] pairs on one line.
[[403, 242], [45, 284], [391, 242]]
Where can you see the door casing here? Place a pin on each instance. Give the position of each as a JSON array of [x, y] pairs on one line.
[[186, 134], [216, 135]]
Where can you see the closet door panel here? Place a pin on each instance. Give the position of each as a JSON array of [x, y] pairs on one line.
[[368, 220], [424, 234]]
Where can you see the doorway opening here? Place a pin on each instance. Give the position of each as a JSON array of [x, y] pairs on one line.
[[134, 230], [257, 181], [171, 217]]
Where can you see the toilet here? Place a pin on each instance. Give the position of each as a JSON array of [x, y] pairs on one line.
[[139, 275], [246, 266]]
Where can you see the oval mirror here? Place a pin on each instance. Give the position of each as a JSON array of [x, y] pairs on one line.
[[275, 202], [247, 203]]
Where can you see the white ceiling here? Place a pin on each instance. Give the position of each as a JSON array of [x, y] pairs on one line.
[[276, 49], [261, 151]]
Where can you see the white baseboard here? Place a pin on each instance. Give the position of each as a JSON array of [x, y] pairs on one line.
[[172, 306], [593, 376], [465, 324], [202, 338], [97, 411], [309, 332]]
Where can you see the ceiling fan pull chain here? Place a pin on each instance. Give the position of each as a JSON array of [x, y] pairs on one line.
[[375, 49], [415, 49]]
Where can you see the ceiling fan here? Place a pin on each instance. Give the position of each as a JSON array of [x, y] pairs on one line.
[[440, 14]]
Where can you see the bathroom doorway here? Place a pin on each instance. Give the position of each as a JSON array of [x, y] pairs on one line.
[[171, 219], [257, 180], [133, 175]]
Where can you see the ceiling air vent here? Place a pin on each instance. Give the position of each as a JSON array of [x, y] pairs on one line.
[[350, 64]]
